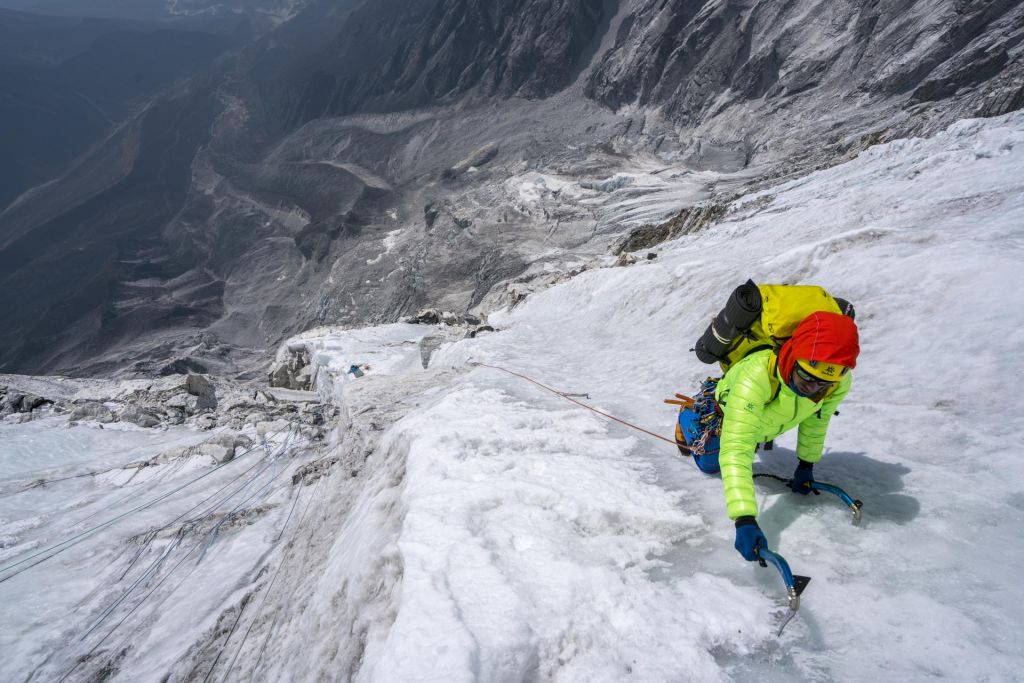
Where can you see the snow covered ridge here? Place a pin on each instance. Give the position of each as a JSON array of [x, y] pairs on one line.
[[464, 524], [538, 539]]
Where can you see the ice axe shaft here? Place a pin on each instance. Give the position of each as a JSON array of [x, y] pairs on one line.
[[795, 584], [817, 486], [854, 505]]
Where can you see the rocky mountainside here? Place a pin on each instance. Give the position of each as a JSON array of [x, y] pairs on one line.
[[220, 13], [368, 159], [394, 55], [66, 83], [735, 68]]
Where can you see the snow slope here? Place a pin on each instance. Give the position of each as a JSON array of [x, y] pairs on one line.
[[473, 526], [539, 539]]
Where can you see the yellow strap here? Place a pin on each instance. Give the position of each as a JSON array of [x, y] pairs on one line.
[[773, 378]]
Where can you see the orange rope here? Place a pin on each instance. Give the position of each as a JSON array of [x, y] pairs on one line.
[[579, 403]]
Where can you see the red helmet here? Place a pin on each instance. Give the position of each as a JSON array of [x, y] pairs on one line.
[[821, 338]]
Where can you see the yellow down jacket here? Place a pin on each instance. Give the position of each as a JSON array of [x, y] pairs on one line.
[[753, 415]]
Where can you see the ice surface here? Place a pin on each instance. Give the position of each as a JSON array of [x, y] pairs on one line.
[[470, 525]]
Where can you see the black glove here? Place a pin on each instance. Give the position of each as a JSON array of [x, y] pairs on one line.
[[802, 479], [749, 538]]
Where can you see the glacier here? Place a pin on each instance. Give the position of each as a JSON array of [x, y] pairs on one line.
[[460, 523]]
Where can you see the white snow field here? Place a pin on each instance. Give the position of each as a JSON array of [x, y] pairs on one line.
[[469, 525]]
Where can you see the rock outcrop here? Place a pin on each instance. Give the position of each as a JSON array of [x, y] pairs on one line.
[[743, 71], [438, 52], [14, 401], [293, 371]]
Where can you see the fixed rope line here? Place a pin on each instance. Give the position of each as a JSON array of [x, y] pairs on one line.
[[266, 464], [281, 450], [41, 483], [187, 526], [158, 562], [150, 571], [147, 595], [245, 603], [579, 403], [241, 611], [151, 535], [120, 647], [270, 586], [298, 494], [82, 659], [190, 524], [137, 493], [68, 543], [199, 545], [78, 537], [270, 630], [258, 493]]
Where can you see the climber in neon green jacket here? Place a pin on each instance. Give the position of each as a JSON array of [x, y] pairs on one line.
[[762, 396], [751, 416]]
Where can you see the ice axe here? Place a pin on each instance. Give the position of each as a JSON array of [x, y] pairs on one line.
[[795, 584], [854, 505], [817, 487]]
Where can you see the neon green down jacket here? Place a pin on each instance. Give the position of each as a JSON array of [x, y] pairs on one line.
[[752, 416]]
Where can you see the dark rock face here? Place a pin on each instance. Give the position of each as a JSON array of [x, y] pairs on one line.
[[230, 15], [697, 59], [66, 270], [14, 401], [203, 389], [400, 54], [181, 366], [293, 372], [92, 410], [197, 229], [65, 82], [686, 222]]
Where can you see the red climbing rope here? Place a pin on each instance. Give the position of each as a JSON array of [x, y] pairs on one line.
[[579, 403]]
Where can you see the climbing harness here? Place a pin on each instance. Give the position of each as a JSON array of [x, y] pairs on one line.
[[709, 419]]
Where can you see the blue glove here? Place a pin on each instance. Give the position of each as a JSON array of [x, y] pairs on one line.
[[748, 537], [802, 479]]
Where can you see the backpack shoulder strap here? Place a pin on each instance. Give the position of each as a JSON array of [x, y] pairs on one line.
[[773, 376]]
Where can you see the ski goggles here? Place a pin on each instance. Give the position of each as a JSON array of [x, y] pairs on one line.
[[811, 379], [827, 372]]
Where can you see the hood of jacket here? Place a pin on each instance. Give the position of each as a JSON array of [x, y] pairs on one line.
[[824, 337]]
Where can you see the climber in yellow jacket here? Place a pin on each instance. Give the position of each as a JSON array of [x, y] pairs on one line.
[[767, 394]]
